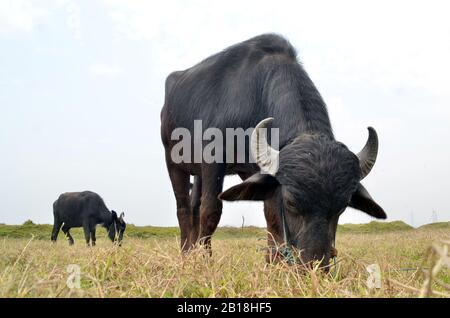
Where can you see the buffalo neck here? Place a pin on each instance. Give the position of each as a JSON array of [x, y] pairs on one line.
[[107, 219], [295, 103]]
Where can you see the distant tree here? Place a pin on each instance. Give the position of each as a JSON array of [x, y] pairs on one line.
[[28, 222]]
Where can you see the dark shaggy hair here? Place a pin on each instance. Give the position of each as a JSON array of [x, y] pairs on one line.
[[318, 173]]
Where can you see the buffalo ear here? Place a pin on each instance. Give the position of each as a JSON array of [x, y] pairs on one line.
[[114, 215], [256, 188], [361, 200]]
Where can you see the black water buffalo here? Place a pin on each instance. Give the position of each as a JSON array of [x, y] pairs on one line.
[[85, 209], [305, 186]]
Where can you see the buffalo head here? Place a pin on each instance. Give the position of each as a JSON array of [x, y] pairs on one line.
[[117, 226], [313, 179]]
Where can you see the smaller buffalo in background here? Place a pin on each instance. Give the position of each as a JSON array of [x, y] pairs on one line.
[[85, 209]]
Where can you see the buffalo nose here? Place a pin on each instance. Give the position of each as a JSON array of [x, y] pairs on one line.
[[319, 259]]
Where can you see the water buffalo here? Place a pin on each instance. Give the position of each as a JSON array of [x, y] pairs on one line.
[[305, 185], [85, 209]]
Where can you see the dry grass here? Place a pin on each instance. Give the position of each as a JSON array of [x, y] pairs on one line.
[[155, 268]]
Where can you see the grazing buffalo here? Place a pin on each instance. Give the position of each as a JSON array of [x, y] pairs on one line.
[[306, 183], [85, 209]]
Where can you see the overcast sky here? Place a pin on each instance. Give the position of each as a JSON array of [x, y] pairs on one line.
[[82, 86]]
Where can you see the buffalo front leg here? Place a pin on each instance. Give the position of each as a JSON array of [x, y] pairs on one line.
[[87, 233], [210, 206], [92, 230], [196, 194], [180, 184], [274, 231]]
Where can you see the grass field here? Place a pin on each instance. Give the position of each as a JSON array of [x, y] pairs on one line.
[[149, 264]]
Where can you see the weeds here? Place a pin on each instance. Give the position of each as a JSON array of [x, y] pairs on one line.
[[156, 268]]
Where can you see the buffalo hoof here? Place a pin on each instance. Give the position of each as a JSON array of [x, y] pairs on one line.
[[333, 252]]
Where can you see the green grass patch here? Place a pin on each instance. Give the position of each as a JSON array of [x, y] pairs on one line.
[[374, 227], [438, 225], [43, 231]]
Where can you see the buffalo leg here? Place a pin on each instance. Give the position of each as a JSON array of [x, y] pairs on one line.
[[180, 184], [210, 206], [93, 238], [66, 232], [56, 227], [274, 237], [274, 230], [87, 233], [196, 194]]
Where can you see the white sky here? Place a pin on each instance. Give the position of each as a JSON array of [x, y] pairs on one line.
[[81, 88]]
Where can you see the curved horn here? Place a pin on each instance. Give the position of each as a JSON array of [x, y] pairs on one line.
[[368, 155], [266, 157]]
